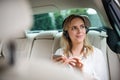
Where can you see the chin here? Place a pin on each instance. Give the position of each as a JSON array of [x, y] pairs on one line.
[[79, 41]]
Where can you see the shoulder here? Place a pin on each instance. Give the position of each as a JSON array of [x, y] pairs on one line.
[[97, 52], [59, 51]]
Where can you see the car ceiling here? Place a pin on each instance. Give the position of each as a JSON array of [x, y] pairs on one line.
[[54, 5], [45, 6]]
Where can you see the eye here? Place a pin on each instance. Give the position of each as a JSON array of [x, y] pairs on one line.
[[74, 28], [82, 26]]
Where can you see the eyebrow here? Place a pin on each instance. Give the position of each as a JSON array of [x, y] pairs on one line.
[[80, 25]]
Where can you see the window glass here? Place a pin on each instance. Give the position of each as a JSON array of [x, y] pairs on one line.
[[53, 20]]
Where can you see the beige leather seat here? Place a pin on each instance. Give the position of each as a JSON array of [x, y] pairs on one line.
[[42, 46], [22, 49], [114, 64], [15, 17]]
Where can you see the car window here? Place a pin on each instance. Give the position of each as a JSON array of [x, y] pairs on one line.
[[53, 20]]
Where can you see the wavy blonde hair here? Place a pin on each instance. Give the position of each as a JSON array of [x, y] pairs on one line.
[[66, 42]]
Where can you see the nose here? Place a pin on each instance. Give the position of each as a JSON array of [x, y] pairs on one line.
[[79, 30]]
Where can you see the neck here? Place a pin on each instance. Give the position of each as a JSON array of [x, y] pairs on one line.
[[76, 49]]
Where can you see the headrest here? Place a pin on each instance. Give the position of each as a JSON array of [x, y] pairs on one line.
[[46, 35], [15, 17], [94, 33]]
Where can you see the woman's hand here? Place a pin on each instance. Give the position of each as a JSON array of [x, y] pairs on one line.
[[63, 59], [76, 62], [60, 58]]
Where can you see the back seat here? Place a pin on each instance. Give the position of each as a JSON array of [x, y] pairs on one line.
[[114, 64], [42, 46], [47, 42], [22, 49]]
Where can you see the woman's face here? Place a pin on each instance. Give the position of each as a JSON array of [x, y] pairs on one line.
[[77, 31]]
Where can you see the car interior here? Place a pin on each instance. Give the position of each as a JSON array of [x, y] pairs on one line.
[[32, 43]]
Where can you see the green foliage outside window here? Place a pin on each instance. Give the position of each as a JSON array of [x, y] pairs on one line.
[[54, 22], [58, 20], [42, 22], [79, 11]]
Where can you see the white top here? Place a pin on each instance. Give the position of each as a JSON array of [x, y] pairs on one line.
[[94, 64]]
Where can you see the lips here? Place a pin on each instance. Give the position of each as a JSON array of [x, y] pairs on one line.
[[79, 36]]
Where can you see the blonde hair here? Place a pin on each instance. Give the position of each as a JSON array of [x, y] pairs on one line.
[[66, 42]]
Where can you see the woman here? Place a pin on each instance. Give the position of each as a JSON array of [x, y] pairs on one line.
[[77, 53]]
